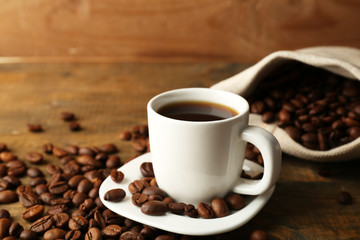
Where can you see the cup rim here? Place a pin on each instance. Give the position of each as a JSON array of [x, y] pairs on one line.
[[242, 106]]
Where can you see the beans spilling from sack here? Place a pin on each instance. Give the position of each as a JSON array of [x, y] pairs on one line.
[[318, 109]]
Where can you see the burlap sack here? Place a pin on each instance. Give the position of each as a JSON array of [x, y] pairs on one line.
[[340, 60]]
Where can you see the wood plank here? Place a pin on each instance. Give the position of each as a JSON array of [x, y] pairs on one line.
[[233, 30]]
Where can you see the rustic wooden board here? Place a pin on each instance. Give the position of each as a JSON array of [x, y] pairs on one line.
[[109, 98], [237, 30]]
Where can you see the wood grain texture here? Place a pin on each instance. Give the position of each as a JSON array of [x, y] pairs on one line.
[[111, 98], [234, 30]]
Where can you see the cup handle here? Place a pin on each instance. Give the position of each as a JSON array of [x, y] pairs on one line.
[[271, 153]]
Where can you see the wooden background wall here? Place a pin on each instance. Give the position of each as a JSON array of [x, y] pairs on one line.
[[230, 30]]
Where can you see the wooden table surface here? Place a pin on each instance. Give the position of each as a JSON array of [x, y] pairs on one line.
[[109, 98]]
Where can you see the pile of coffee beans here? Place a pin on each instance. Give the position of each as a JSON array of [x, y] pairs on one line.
[[63, 201], [154, 201], [318, 109]]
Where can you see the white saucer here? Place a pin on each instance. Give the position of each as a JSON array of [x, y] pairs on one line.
[[182, 224]]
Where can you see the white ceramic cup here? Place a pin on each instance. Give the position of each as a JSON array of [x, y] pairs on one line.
[[197, 161]]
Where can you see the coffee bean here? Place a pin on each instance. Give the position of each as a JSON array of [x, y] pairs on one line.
[[58, 152], [9, 238], [56, 177], [191, 211], [150, 190], [78, 223], [59, 201], [74, 126], [86, 151], [52, 169], [41, 188], [113, 219], [4, 185], [28, 234], [141, 144], [117, 176], [16, 168], [93, 234], [87, 205], [93, 223], [57, 209], [257, 107], [67, 116], [61, 220], [94, 193], [111, 231], [268, 117], [5, 224], [34, 172], [125, 136], [73, 235], [205, 211], [92, 174], [7, 156], [344, 198], [113, 161], [146, 169], [15, 229], [78, 198], [155, 197], [130, 235], [235, 201], [3, 170], [53, 234], [47, 148], [137, 186], [73, 149], [74, 181], [37, 181], [32, 127], [166, 237], [78, 212], [33, 213], [115, 195], [109, 148], [86, 160], [177, 208], [154, 208], [13, 181], [72, 167], [258, 235], [58, 187], [42, 224], [139, 199], [219, 207], [168, 200], [99, 219], [8, 196], [284, 116], [4, 213], [85, 186], [34, 157], [354, 132], [47, 197], [310, 138]]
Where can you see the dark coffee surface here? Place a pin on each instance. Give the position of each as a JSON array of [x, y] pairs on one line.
[[197, 111]]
